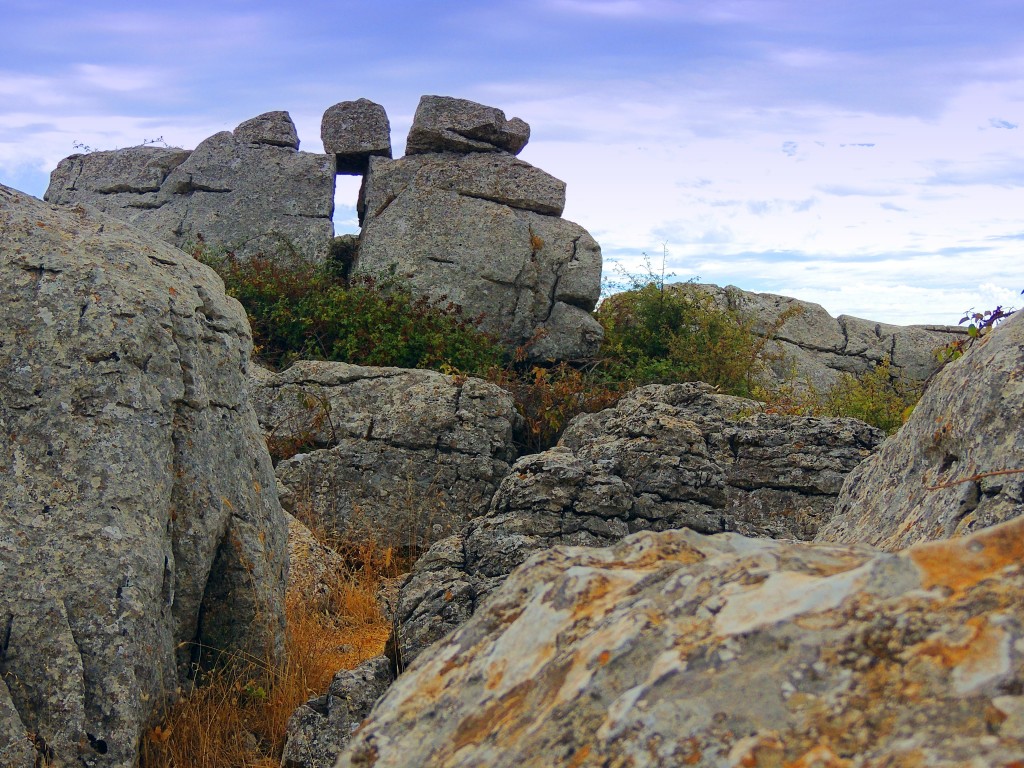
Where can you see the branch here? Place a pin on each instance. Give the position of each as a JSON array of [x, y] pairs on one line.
[[975, 478]]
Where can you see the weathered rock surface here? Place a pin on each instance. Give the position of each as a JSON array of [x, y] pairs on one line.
[[481, 231], [673, 649], [443, 123], [321, 728], [957, 465], [138, 517], [313, 568], [249, 191], [665, 457], [818, 348], [355, 131], [403, 455]]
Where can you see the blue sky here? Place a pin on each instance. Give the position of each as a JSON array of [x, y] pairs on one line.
[[864, 154]]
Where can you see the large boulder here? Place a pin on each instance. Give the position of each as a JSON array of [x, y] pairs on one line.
[[443, 123], [483, 232], [957, 465], [403, 456], [355, 131], [139, 522], [665, 457], [674, 649], [817, 349], [249, 191]]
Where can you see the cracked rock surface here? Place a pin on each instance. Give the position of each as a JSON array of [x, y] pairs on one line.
[[674, 648], [678, 456], [249, 191], [818, 348], [138, 515], [957, 465], [404, 456], [482, 230]]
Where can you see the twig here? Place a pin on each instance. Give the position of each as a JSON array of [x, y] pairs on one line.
[[975, 478]]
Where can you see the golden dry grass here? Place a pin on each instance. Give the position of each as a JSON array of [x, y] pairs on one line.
[[236, 717]]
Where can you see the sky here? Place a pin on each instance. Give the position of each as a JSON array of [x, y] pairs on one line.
[[867, 155]]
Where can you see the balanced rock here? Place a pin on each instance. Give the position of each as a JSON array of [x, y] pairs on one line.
[[957, 465], [249, 192], [665, 457], [483, 232], [355, 131], [139, 521], [404, 456], [817, 349], [443, 123], [673, 649]]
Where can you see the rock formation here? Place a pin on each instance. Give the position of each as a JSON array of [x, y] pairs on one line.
[[249, 192], [674, 649], [665, 457], [816, 348], [355, 131], [138, 516], [957, 465], [404, 456], [460, 217]]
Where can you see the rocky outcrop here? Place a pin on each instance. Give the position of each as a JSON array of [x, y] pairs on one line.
[[355, 131], [957, 465], [673, 649], [445, 124], [665, 457], [482, 229], [816, 349], [406, 456], [138, 517], [249, 192]]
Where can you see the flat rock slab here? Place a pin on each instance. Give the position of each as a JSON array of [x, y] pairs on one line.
[[138, 518], [674, 649]]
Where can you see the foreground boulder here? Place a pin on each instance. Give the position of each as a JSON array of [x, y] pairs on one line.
[[138, 517], [676, 649], [957, 465], [482, 229], [404, 457], [249, 191], [679, 456]]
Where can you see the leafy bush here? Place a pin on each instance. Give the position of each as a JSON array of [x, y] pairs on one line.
[[876, 397], [304, 310], [665, 334]]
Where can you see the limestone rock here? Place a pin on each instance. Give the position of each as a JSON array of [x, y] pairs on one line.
[[312, 566], [404, 455], [818, 348], [468, 229], [355, 131], [957, 465], [273, 128], [673, 649], [138, 517], [321, 728], [665, 457], [443, 123], [250, 192]]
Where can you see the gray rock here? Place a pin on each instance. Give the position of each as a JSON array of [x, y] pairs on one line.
[[138, 518], [321, 728], [665, 457], [468, 230], [957, 465], [673, 649], [355, 131], [443, 123], [249, 192], [406, 456], [273, 128], [816, 348]]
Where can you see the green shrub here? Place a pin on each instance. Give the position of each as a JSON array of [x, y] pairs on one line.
[[304, 310], [664, 334], [876, 397]]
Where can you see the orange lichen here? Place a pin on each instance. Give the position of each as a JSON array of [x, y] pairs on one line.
[[959, 564]]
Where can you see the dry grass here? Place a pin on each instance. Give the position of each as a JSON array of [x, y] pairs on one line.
[[236, 717]]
